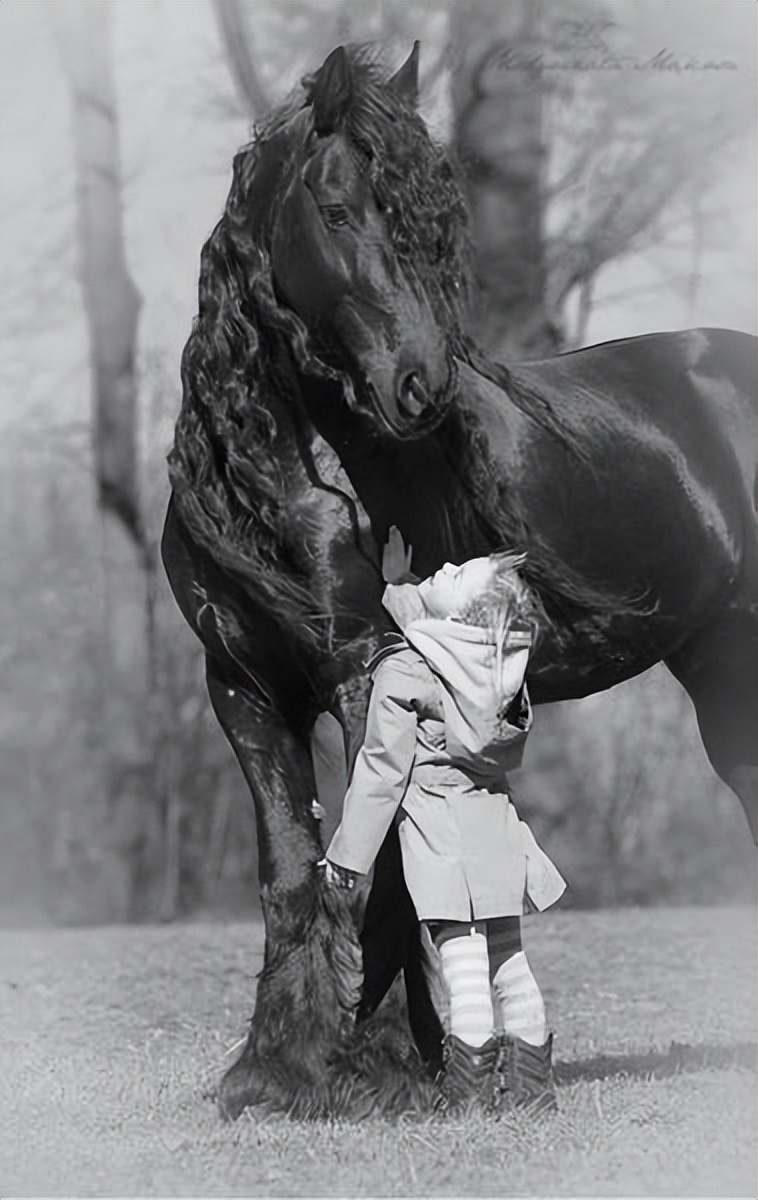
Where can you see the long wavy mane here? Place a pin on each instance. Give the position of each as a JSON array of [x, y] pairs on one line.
[[235, 467]]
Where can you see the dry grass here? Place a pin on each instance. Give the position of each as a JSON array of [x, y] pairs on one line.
[[114, 1040]]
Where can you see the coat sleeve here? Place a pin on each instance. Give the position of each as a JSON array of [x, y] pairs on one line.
[[382, 768]]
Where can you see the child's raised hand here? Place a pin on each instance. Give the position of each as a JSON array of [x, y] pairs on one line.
[[396, 560]]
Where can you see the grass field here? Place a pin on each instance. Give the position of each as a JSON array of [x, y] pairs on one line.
[[113, 1040]]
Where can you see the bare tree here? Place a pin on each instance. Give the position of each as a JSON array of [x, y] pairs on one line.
[[111, 300], [573, 151], [499, 140], [234, 26], [112, 304]]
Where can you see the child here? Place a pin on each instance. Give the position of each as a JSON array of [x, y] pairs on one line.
[[448, 716]]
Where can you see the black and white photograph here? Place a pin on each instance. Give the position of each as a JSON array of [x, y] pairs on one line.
[[379, 729]]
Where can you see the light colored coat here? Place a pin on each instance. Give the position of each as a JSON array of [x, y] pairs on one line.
[[466, 853]]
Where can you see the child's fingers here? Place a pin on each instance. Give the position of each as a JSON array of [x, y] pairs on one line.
[[396, 558]]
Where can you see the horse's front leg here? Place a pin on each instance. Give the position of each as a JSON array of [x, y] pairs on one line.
[[310, 983]]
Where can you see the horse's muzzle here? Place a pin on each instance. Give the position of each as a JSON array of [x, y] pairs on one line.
[[417, 410]]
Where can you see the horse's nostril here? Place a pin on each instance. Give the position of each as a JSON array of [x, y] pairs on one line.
[[412, 394]]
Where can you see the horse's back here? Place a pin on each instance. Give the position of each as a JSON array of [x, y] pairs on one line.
[[717, 354], [698, 386]]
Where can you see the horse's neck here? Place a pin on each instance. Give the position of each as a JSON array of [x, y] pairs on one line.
[[307, 463], [482, 404], [490, 442], [420, 485]]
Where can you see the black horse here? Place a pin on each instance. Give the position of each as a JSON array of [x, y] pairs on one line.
[[329, 345]]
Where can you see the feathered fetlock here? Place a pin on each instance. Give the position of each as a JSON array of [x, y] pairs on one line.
[[525, 1075], [468, 1076]]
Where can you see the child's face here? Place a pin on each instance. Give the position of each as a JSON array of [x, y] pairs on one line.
[[450, 590]]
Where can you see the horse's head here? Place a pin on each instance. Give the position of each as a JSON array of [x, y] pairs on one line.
[[367, 241]]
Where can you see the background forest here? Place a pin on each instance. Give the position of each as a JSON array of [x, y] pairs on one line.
[[608, 154]]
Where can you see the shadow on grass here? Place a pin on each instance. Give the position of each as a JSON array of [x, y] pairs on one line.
[[678, 1059]]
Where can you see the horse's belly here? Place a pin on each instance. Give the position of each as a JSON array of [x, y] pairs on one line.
[[582, 665]]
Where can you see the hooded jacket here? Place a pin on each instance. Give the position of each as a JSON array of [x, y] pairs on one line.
[[442, 729]]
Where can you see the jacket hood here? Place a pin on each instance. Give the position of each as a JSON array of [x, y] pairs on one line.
[[487, 713]]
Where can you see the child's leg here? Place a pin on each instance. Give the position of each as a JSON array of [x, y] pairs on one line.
[[465, 966], [518, 1000]]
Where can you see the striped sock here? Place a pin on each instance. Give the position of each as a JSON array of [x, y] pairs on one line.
[[465, 966], [519, 1000]]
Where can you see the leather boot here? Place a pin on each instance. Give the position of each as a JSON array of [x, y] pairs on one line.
[[468, 1076], [525, 1074]]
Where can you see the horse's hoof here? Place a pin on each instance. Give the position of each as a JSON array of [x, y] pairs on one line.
[[243, 1086]]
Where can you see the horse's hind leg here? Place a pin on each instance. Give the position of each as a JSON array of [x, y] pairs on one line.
[[391, 942], [311, 978], [717, 666]]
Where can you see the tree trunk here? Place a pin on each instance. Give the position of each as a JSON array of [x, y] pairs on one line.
[[112, 305], [111, 300], [233, 26], [498, 139]]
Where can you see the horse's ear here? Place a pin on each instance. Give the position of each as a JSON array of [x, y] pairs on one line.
[[404, 82], [329, 91]]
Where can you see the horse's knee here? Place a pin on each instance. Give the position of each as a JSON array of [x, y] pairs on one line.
[[717, 669], [730, 743], [242, 712]]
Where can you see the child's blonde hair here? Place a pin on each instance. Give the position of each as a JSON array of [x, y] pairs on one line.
[[508, 599]]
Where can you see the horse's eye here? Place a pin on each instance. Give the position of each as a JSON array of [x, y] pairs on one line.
[[334, 215]]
